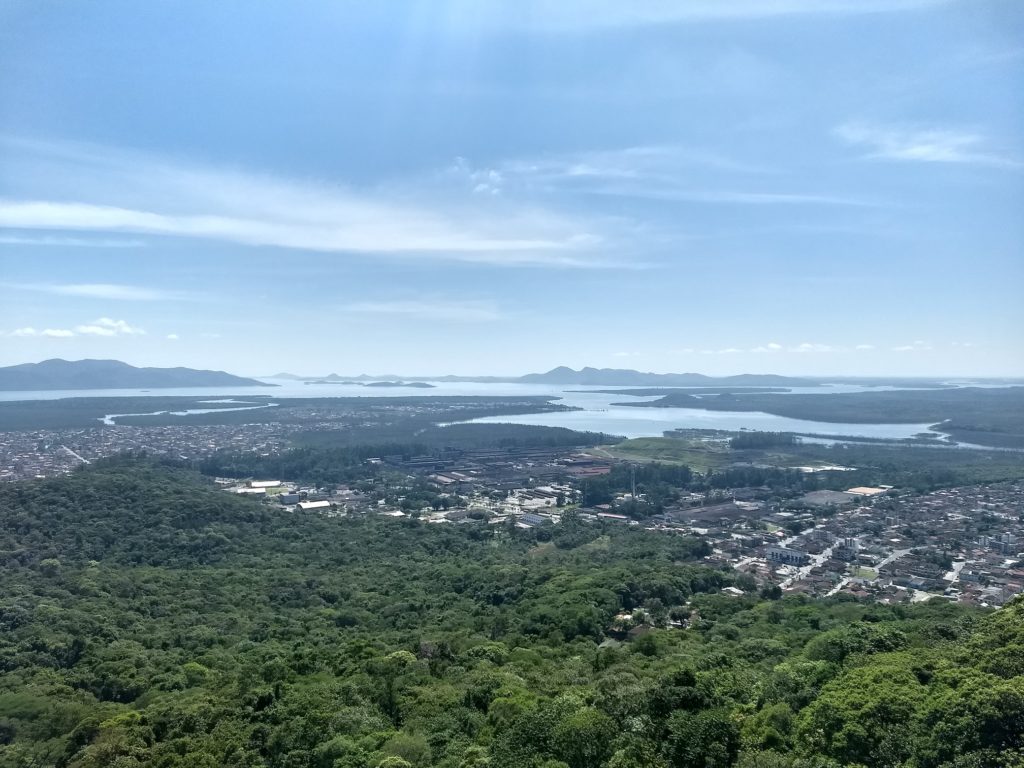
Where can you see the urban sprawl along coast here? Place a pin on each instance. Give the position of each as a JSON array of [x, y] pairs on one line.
[[882, 543]]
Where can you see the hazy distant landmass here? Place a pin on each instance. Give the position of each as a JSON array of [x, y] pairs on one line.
[[903, 382], [610, 377], [111, 374], [625, 377], [412, 384], [285, 376], [379, 384], [662, 391]]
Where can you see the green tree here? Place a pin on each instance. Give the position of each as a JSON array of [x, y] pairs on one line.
[[707, 739], [584, 738]]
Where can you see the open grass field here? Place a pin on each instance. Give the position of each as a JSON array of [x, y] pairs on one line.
[[702, 452], [701, 456]]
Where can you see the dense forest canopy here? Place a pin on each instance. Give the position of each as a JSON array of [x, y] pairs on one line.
[[149, 620]]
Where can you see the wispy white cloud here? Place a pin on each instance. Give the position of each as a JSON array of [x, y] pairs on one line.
[[651, 162], [581, 16], [69, 242], [769, 347], [727, 197], [29, 332], [811, 347], [458, 311], [651, 172], [375, 229], [173, 336], [725, 351], [107, 291], [103, 326], [931, 145], [486, 181], [917, 346], [111, 191]]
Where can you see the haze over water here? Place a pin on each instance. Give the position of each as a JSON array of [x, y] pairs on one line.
[[599, 412]]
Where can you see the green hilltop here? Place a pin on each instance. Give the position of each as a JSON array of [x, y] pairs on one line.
[[148, 619]]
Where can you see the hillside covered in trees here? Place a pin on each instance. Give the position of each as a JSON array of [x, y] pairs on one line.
[[147, 619]]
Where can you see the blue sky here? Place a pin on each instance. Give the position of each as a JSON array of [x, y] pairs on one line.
[[790, 186]]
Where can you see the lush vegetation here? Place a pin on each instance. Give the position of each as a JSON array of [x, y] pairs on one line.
[[403, 415], [986, 416], [147, 620], [336, 457], [424, 437], [743, 440], [666, 466], [920, 468]]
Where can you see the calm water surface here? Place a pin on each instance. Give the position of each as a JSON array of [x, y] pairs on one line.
[[597, 414]]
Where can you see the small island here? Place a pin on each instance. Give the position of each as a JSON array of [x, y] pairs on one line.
[[377, 384], [412, 384]]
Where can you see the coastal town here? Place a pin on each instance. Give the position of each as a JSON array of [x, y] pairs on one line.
[[185, 435], [882, 543], [39, 453], [963, 544]]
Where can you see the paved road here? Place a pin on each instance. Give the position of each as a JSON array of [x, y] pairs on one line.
[[80, 458], [896, 555], [954, 575], [816, 560], [842, 583]]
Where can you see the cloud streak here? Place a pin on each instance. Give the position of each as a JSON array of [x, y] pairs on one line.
[[729, 197], [934, 145], [368, 231], [103, 326], [600, 14], [69, 242], [105, 291], [662, 172], [107, 191], [917, 346], [29, 332]]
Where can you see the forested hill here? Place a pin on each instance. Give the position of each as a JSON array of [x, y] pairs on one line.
[[111, 374], [149, 620]]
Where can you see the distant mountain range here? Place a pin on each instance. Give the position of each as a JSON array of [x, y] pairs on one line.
[[111, 374], [609, 377], [625, 377]]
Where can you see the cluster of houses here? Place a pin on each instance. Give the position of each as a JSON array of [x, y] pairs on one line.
[[290, 496], [964, 544], [48, 453]]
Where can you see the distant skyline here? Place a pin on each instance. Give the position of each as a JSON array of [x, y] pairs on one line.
[[802, 187]]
